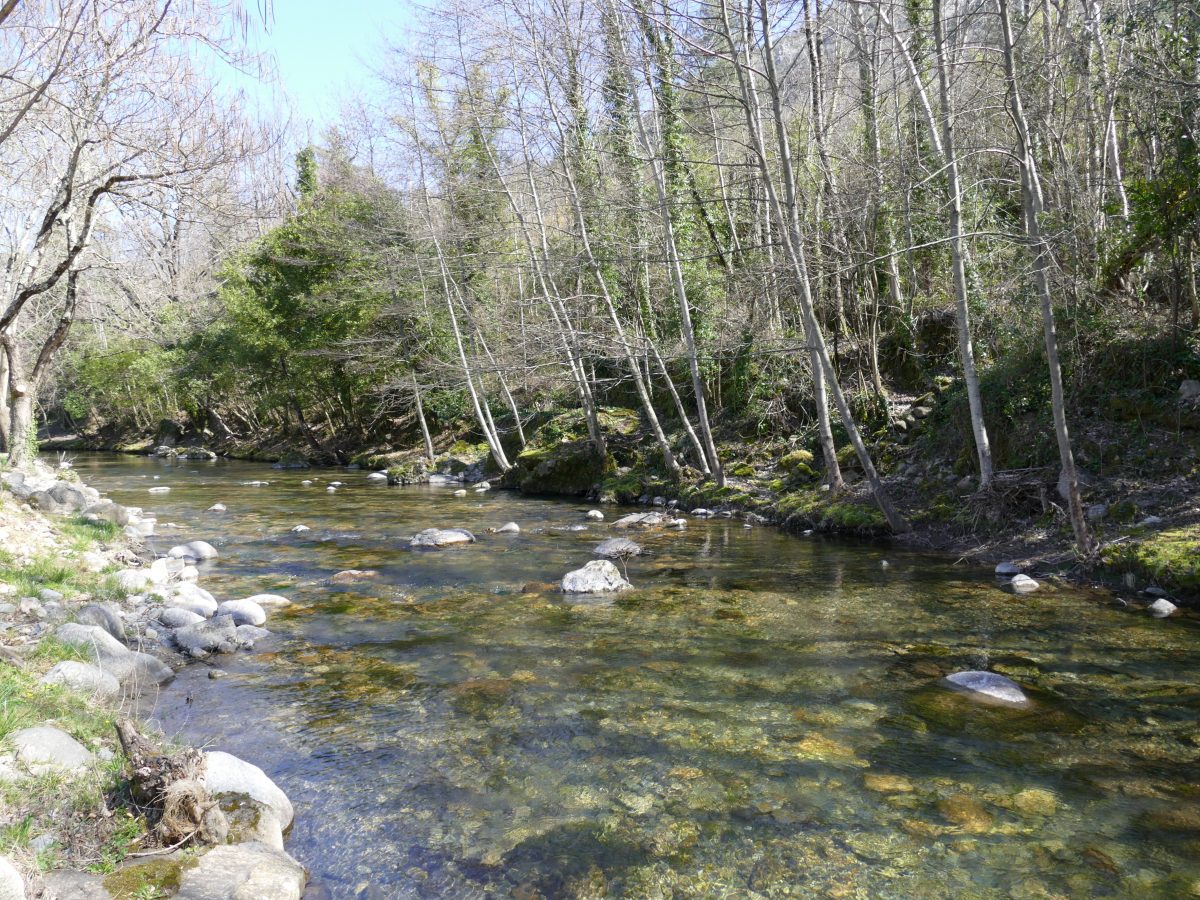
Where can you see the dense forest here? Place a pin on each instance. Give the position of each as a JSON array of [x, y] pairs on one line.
[[775, 221]]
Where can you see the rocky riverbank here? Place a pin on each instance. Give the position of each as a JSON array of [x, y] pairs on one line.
[[92, 624], [1140, 483]]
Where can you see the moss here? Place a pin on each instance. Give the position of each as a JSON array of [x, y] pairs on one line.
[[798, 465], [743, 471], [1170, 559], [163, 876], [817, 510], [1124, 511], [572, 469]]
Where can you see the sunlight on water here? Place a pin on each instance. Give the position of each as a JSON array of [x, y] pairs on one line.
[[760, 717]]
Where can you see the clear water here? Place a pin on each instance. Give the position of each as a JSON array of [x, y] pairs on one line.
[[761, 717]]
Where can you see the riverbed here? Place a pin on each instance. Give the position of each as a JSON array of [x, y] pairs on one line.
[[761, 716]]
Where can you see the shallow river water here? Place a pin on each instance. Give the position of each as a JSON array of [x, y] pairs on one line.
[[760, 717]]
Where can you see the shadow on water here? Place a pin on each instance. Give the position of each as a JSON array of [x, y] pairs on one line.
[[761, 716]]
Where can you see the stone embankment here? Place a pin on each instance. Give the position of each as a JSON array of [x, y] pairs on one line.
[[120, 626]]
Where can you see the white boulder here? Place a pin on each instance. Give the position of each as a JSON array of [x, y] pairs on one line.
[[597, 577]]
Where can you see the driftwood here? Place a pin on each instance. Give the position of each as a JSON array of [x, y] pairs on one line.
[[170, 790]]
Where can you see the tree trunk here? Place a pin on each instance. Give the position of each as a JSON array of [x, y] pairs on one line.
[[1031, 206], [421, 418]]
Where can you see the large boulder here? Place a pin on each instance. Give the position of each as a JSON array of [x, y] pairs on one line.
[[132, 580], [572, 469], [98, 646], [218, 633], [85, 679], [12, 885], [442, 537], [244, 612], [224, 773], [597, 577], [988, 687], [44, 748], [250, 871], [108, 511], [617, 548], [103, 615]]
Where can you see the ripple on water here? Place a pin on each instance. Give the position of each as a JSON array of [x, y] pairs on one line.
[[761, 716]]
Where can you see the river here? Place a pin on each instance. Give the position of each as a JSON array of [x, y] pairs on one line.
[[762, 716]]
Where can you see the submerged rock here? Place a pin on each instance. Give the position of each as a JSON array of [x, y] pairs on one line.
[[595, 515], [460, 493], [300, 529], [441, 537], [216, 507], [988, 685], [509, 528], [377, 478], [645, 520], [617, 548], [597, 577]]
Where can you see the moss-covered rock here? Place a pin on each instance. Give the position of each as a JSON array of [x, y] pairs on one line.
[[571, 470], [798, 465]]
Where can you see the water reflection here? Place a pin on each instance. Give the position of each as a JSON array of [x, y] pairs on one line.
[[760, 717]]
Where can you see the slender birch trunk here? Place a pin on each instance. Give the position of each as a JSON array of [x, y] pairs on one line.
[[1031, 204]]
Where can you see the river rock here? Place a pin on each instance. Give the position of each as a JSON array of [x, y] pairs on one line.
[[377, 478], [597, 577], [93, 561], [132, 580], [460, 493], [103, 615], [270, 601], [97, 644], [68, 884], [216, 507], [244, 612], [84, 678], [12, 885], [645, 520], [595, 515], [249, 635], [194, 550], [1023, 584], [45, 748], [352, 576], [250, 820], [988, 685], [1161, 608], [442, 537], [178, 617], [617, 548], [226, 774], [160, 489], [331, 489], [300, 529], [250, 871], [1007, 569], [212, 634], [509, 528]]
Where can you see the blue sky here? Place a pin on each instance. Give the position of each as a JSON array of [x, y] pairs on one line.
[[325, 51]]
